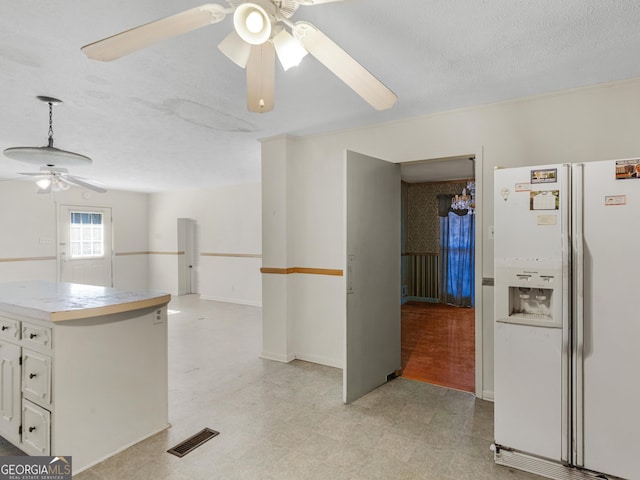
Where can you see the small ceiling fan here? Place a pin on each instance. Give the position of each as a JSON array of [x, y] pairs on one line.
[[55, 179], [262, 30]]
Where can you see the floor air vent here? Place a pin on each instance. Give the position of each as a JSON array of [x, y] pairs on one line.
[[193, 442]]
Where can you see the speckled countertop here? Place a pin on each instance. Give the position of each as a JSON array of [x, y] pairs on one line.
[[69, 301]]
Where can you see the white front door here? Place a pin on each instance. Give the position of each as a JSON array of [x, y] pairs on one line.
[[373, 274], [85, 246]]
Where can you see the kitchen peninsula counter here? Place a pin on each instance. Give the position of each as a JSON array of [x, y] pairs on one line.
[[84, 368], [69, 301]]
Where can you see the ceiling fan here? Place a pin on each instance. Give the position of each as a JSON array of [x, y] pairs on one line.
[[262, 30], [55, 179]]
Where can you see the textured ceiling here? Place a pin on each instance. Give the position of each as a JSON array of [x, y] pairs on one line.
[[174, 116]]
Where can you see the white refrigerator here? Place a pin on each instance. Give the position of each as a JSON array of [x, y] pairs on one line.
[[567, 311]]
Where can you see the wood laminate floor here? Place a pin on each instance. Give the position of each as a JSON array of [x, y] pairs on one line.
[[438, 344]]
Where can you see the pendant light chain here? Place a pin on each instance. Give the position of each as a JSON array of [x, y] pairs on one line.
[[50, 124], [49, 156]]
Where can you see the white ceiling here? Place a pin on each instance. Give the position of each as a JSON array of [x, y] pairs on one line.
[[173, 116], [439, 169]]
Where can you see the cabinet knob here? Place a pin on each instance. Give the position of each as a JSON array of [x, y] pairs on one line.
[[31, 429], [4, 327], [32, 375], [33, 335]]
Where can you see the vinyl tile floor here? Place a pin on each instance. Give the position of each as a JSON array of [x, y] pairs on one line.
[[287, 421]]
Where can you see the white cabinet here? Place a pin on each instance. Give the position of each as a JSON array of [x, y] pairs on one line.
[[10, 395], [36, 429], [9, 328], [36, 377], [36, 335], [25, 384], [84, 382]]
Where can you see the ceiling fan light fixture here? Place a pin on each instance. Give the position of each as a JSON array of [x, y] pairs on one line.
[[43, 183], [235, 49], [252, 22], [290, 51]]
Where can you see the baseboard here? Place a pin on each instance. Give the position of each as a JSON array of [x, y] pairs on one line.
[[278, 357], [487, 395], [328, 362], [82, 468], [420, 299], [238, 301]]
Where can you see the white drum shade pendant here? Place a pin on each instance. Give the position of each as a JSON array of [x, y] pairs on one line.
[[48, 155]]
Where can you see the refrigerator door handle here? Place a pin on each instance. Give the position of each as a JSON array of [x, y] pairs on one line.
[[577, 294], [566, 312]]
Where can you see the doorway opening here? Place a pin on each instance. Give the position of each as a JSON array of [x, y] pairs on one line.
[[438, 318]]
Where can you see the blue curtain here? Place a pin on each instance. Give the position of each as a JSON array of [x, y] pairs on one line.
[[457, 254]]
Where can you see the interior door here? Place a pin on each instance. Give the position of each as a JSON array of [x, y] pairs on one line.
[[373, 274], [187, 256], [85, 247]]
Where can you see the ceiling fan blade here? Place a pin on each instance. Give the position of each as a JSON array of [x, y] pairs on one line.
[[261, 78], [82, 182], [344, 66], [34, 174], [140, 37]]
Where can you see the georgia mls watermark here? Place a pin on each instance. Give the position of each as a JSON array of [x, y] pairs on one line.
[[35, 468]]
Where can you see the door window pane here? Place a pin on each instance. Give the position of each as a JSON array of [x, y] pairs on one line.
[[86, 235]]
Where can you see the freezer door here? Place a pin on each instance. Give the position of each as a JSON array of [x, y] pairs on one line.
[[531, 383], [610, 332], [528, 206]]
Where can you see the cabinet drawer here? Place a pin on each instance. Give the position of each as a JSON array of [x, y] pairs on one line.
[[36, 335], [36, 376], [9, 328], [36, 429]]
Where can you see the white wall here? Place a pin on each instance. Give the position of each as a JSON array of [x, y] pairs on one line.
[[229, 241], [29, 231], [600, 122], [303, 314]]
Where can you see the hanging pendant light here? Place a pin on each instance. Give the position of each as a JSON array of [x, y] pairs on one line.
[[467, 201], [48, 155]]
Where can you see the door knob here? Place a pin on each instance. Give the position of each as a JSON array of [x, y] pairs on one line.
[[32, 375], [31, 429], [33, 335]]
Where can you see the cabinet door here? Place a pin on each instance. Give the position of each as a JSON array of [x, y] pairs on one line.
[[10, 395], [36, 376], [36, 429]]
